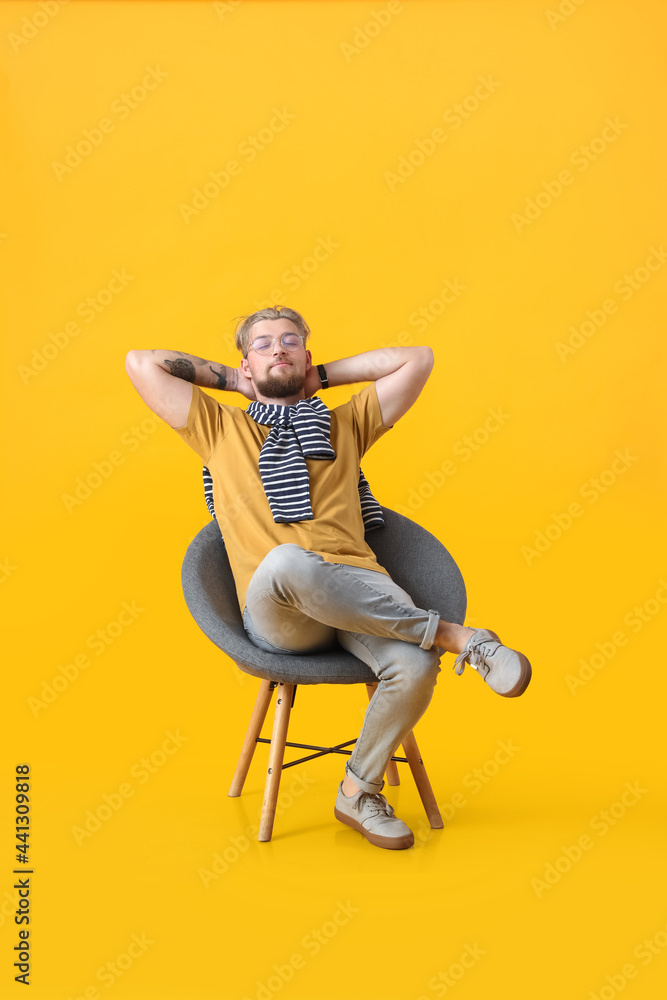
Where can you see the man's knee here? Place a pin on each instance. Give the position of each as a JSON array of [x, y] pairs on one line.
[[293, 570], [286, 561], [421, 666]]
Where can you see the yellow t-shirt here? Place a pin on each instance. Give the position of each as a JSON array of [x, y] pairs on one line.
[[228, 442]]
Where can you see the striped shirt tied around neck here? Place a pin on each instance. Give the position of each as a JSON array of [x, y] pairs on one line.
[[299, 431]]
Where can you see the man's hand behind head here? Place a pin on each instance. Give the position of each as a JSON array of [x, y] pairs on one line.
[[244, 385]]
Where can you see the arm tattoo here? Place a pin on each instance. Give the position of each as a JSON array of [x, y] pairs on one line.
[[221, 382], [181, 368]]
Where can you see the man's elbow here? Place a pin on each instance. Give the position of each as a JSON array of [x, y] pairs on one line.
[[426, 357], [133, 359]]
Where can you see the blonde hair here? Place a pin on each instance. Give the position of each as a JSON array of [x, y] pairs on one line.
[[243, 330]]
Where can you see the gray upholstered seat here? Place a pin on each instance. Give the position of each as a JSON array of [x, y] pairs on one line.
[[415, 559]]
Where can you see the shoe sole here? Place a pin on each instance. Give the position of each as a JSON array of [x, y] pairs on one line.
[[524, 678], [391, 843]]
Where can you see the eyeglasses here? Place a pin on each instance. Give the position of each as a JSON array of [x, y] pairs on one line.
[[290, 341]]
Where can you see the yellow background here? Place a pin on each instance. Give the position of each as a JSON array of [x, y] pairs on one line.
[[360, 100]]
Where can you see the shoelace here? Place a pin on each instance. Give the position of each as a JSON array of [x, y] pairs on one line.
[[377, 802], [474, 655]]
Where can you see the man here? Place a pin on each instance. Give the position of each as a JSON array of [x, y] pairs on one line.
[[287, 486]]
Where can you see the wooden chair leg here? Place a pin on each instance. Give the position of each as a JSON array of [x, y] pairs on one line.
[[250, 742], [392, 768], [284, 692], [421, 780]]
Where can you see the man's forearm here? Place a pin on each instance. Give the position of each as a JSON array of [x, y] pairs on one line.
[[189, 367], [372, 365]]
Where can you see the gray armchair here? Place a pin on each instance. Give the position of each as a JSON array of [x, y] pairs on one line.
[[415, 559]]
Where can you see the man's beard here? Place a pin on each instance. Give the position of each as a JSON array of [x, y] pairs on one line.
[[279, 387]]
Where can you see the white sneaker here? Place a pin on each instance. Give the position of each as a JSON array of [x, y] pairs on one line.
[[371, 814], [505, 670]]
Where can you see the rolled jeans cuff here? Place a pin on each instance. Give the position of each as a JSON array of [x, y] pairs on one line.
[[366, 786], [431, 629]]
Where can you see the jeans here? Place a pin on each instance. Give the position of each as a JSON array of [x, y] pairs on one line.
[[297, 602]]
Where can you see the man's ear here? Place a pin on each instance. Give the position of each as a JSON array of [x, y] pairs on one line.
[[245, 368], [309, 360]]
